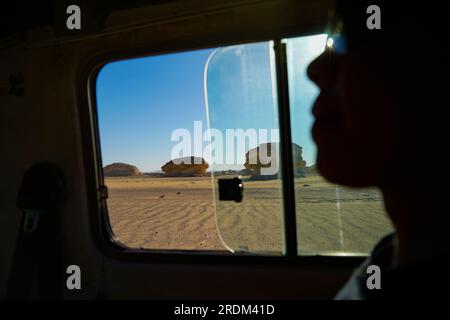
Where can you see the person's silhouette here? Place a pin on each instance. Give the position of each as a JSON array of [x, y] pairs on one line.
[[380, 121]]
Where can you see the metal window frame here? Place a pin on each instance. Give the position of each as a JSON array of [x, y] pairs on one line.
[[99, 218]]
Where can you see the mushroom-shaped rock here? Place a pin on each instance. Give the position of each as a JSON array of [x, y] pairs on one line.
[[265, 156], [185, 167], [121, 170]]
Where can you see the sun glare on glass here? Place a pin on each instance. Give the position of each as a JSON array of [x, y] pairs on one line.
[[330, 42]]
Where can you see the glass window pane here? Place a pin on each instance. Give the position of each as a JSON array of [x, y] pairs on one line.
[[148, 109], [330, 218], [243, 117]]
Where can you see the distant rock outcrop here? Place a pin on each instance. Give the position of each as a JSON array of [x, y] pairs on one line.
[[299, 163], [245, 172], [256, 164], [121, 170], [185, 167], [311, 171]]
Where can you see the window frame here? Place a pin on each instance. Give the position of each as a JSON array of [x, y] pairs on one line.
[[97, 209]]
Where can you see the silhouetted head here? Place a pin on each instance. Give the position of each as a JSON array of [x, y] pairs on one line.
[[380, 115]]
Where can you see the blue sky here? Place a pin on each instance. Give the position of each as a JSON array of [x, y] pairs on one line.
[[302, 92], [142, 101]]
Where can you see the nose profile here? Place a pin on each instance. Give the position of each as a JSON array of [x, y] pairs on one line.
[[321, 70]]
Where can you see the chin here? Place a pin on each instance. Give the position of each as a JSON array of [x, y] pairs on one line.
[[331, 174], [339, 172]]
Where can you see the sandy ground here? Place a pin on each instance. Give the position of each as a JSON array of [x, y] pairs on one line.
[[179, 213]]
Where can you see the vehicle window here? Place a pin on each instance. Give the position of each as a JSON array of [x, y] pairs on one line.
[[330, 218], [190, 149], [160, 188]]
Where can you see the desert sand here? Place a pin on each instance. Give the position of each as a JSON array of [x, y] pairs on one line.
[[180, 213]]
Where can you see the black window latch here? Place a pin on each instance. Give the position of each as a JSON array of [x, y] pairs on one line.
[[231, 189]]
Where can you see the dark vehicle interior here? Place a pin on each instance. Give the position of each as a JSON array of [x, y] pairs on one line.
[[293, 236]]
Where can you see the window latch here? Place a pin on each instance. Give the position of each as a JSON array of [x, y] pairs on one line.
[[231, 189]]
